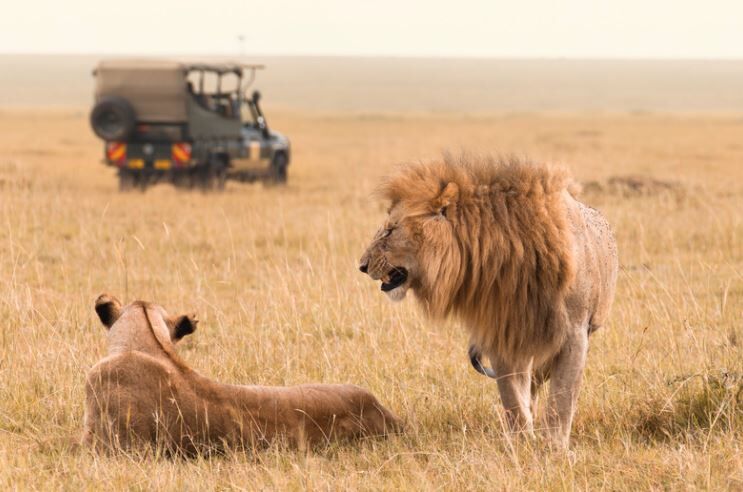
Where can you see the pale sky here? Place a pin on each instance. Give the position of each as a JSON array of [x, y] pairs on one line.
[[470, 28]]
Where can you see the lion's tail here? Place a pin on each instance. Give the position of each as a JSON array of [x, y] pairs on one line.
[[476, 361]]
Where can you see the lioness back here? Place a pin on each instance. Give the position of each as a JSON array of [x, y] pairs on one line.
[[133, 397]]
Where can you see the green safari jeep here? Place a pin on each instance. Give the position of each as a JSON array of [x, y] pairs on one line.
[[184, 124]]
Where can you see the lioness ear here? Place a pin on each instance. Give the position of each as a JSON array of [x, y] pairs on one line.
[[108, 309], [448, 197], [184, 325]]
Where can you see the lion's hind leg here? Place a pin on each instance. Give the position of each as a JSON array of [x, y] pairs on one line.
[[539, 377], [566, 378]]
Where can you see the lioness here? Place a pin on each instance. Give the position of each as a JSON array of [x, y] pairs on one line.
[[505, 247], [143, 392]]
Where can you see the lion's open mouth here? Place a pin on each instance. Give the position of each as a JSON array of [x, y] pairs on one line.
[[394, 279]]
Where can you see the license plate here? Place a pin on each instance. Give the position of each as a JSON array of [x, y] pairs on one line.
[[162, 164], [136, 163]]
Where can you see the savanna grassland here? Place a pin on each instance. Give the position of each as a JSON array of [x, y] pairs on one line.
[[272, 274]]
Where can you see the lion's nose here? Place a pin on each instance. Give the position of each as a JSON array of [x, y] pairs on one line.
[[364, 267]]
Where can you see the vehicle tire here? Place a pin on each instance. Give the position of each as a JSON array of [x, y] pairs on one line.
[[127, 180], [183, 180], [221, 178], [143, 181], [113, 118], [278, 172], [213, 175], [205, 177]]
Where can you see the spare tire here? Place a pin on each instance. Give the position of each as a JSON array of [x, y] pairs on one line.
[[113, 118]]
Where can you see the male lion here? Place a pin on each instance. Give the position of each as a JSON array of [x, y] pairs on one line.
[[144, 393], [505, 247]]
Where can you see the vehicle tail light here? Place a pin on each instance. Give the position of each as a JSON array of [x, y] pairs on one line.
[[116, 152], [181, 153]]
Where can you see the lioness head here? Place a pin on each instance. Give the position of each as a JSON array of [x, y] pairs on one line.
[[141, 325], [415, 242]]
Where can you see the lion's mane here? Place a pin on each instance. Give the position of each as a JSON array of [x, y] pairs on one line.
[[508, 270]]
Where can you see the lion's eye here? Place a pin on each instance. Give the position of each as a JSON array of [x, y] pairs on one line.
[[387, 232]]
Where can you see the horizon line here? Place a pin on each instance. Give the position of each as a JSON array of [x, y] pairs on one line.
[[385, 56]]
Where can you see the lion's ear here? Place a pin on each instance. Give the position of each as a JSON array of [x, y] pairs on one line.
[[448, 197], [108, 309], [184, 325]]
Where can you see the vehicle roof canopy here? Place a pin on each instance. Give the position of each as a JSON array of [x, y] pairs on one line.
[[157, 89]]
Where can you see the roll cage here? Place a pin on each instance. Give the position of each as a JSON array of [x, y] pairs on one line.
[[214, 97]]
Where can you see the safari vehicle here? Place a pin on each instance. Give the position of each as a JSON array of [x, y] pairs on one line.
[[184, 123]]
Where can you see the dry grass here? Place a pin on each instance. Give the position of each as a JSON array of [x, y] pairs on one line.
[[272, 275]]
